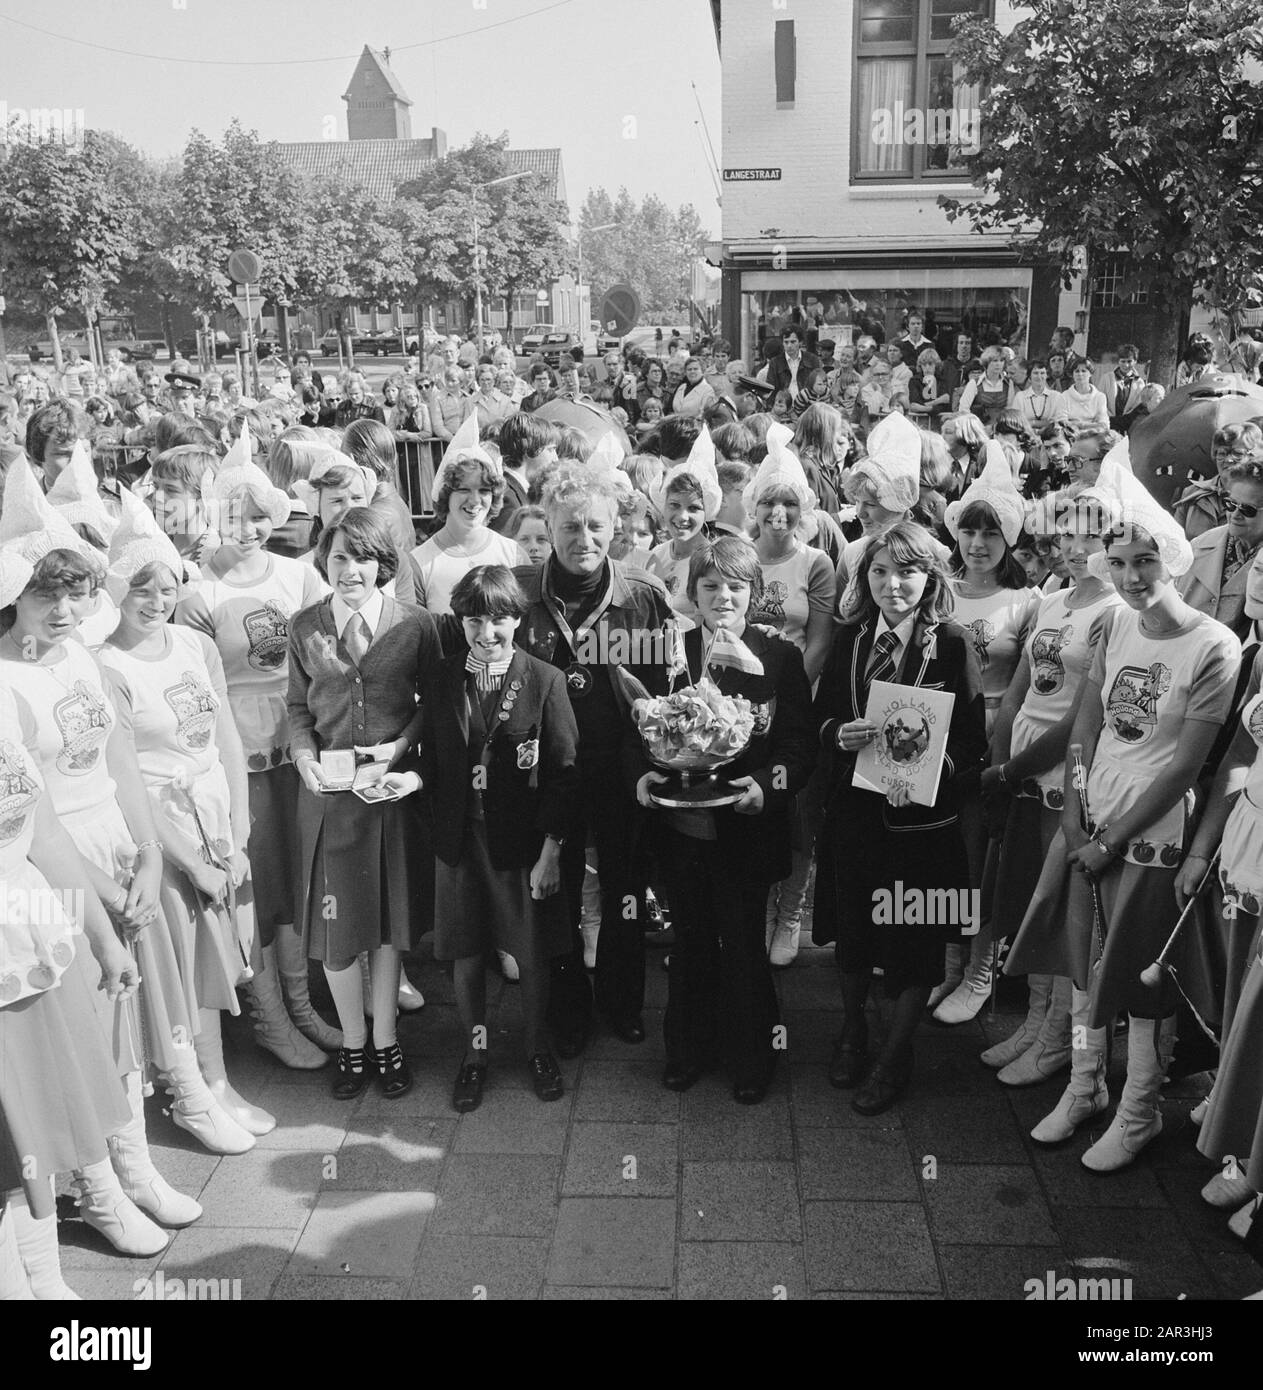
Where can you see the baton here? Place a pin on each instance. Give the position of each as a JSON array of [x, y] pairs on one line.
[[1098, 908], [1152, 975]]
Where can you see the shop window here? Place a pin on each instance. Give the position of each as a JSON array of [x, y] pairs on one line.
[[1109, 279], [913, 116]]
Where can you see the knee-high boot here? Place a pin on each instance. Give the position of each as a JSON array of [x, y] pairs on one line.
[[37, 1249], [953, 973], [1051, 1051], [1138, 1120], [108, 1209], [209, 1046], [273, 1028], [1040, 992], [1087, 1095], [292, 960], [139, 1179], [966, 1000], [196, 1111]]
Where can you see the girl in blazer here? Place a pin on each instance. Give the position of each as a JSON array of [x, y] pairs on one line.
[[498, 750], [358, 661], [895, 628], [719, 865]]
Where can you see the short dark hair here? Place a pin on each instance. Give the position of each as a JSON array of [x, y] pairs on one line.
[[367, 538], [731, 556], [1128, 350], [676, 436], [489, 591], [1036, 362], [59, 569], [523, 435], [372, 445]]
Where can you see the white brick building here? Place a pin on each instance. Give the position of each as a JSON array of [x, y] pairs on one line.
[[838, 117]]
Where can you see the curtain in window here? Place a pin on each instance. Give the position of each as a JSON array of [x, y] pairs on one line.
[[885, 92]]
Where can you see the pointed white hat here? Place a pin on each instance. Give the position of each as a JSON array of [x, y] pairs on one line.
[[1142, 511], [76, 497], [15, 575], [30, 526], [138, 542], [893, 465], [993, 486], [781, 468], [464, 445], [700, 464]]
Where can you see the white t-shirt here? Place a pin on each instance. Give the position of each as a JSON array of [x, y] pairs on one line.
[[440, 570]]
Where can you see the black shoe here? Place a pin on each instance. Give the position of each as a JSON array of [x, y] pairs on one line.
[[393, 1077], [849, 1063], [628, 1030], [545, 1076], [750, 1091], [679, 1076], [467, 1093], [353, 1073], [886, 1083]]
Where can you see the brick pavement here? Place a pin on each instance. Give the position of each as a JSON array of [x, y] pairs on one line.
[[626, 1190]]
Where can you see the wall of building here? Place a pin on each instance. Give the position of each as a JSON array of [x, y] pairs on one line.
[[810, 142]]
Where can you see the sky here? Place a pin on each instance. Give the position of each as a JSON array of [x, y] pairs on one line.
[[609, 81]]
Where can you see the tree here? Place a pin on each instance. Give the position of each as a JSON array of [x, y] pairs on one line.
[[1119, 127], [65, 228], [521, 236], [650, 247]]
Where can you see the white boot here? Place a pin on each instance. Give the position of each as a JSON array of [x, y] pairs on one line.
[[366, 984], [590, 910], [196, 1111], [1087, 1095], [1240, 1222], [1138, 1120], [108, 1209], [966, 1000], [37, 1249], [1229, 1189], [139, 1179], [508, 967], [273, 1028], [1050, 1052], [783, 950], [1040, 991], [410, 997], [954, 972], [209, 1046], [15, 1287], [288, 954]]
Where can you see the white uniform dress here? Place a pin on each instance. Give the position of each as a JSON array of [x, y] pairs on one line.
[[997, 625], [73, 717], [793, 589], [170, 704], [439, 570], [674, 573], [59, 1089]]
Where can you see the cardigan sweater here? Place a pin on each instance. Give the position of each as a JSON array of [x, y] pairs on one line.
[[333, 704]]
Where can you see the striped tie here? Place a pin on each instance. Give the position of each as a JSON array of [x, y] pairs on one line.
[[356, 638], [881, 665]]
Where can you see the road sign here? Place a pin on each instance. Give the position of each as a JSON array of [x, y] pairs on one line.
[[244, 267], [620, 310], [249, 309]]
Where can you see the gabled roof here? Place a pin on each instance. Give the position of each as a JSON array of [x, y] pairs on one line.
[[377, 63]]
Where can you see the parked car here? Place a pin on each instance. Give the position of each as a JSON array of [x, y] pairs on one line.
[[379, 342], [132, 349], [186, 347], [328, 342], [533, 338], [645, 337], [605, 341], [557, 345]]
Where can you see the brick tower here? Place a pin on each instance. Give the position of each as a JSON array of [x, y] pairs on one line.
[[377, 107]]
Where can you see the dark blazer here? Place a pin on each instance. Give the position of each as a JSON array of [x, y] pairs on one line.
[[780, 757], [532, 777], [778, 374], [514, 497], [938, 657]]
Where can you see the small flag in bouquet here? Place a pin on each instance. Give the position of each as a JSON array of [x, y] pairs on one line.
[[727, 649]]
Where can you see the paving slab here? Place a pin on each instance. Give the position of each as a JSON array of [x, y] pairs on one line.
[[614, 1242], [473, 1268], [852, 1246], [740, 1201], [366, 1234], [607, 1160]]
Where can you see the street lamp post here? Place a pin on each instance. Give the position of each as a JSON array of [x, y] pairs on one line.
[[476, 189], [602, 227]]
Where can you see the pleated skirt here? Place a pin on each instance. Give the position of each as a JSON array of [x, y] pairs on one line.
[[1234, 1124], [275, 848]]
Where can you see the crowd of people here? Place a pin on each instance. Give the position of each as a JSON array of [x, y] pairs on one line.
[[255, 713]]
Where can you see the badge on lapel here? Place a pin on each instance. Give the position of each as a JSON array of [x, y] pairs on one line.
[[527, 754]]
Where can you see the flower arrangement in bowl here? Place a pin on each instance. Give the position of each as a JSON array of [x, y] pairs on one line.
[[692, 733]]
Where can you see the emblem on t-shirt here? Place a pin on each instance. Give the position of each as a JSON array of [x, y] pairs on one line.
[[1048, 674], [1132, 707], [83, 720], [981, 634], [18, 791], [772, 604], [267, 632], [672, 581], [1254, 720], [195, 708]]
